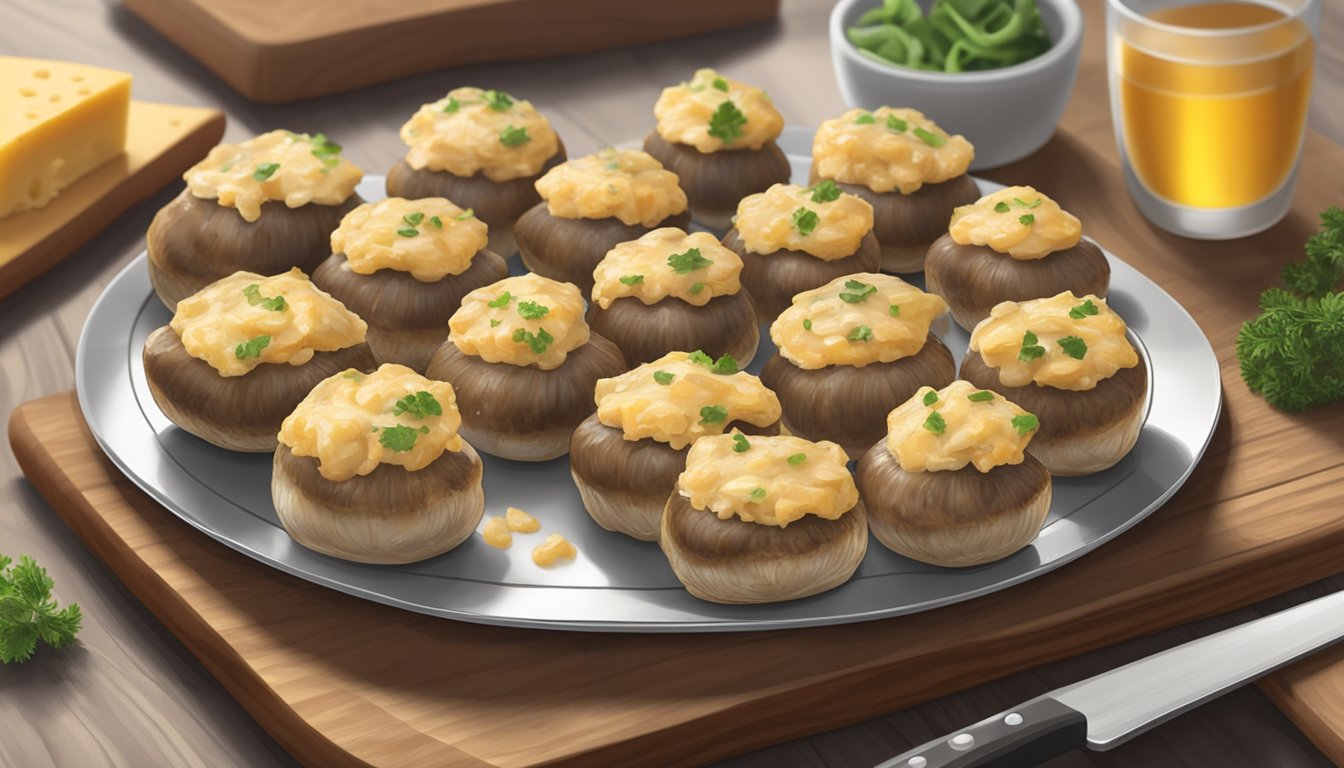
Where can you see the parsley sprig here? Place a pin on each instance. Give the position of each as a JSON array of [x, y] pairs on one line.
[[690, 261], [726, 365], [726, 122], [420, 404], [805, 220], [28, 614]]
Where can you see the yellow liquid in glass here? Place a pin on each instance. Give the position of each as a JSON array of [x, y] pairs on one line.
[[1216, 122]]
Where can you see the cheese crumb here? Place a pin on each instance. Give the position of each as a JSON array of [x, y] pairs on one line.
[[555, 548], [496, 533], [520, 521]]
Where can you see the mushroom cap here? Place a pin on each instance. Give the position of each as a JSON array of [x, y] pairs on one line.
[[906, 225], [957, 518], [773, 279], [387, 516], [569, 249], [522, 412], [715, 182], [736, 562], [625, 483], [1080, 432], [646, 332], [194, 242], [973, 278], [239, 413], [407, 318], [849, 405], [497, 203]]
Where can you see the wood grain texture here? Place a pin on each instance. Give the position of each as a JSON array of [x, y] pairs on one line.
[[277, 51], [132, 694], [162, 141]]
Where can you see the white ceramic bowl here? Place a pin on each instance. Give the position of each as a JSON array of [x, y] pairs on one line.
[[1006, 113]]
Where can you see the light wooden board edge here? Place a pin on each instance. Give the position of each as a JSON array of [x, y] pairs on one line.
[[1311, 694], [162, 141]]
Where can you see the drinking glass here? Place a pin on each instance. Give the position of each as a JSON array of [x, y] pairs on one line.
[[1209, 102]]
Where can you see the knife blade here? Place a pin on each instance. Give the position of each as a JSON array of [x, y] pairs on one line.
[[1107, 710]]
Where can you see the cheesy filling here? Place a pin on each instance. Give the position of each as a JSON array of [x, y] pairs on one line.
[[680, 398], [554, 549], [430, 238], [520, 521], [625, 184], [294, 167], [668, 263], [352, 422], [946, 429], [694, 113], [1018, 221], [856, 320], [888, 149], [472, 131], [496, 533], [793, 218], [525, 320], [772, 481], [241, 321], [1065, 342]]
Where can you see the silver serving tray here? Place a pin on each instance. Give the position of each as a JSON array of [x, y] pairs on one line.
[[617, 583]]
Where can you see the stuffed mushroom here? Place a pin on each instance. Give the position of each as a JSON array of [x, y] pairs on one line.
[[524, 365], [405, 265], [793, 239], [668, 291], [763, 519], [1012, 245], [241, 353], [910, 170], [1069, 361], [718, 136], [590, 205], [266, 205], [625, 458], [952, 484], [482, 149], [371, 468], [849, 352]]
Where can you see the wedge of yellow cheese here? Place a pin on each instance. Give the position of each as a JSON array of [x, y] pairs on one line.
[[58, 121]]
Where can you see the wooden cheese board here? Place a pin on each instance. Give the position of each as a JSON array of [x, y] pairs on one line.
[[162, 141], [286, 50]]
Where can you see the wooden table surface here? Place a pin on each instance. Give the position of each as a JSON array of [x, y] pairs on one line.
[[131, 695]]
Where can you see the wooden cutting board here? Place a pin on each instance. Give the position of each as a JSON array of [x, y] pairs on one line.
[[162, 141], [276, 51]]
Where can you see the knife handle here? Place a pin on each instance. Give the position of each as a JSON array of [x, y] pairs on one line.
[[1027, 735]]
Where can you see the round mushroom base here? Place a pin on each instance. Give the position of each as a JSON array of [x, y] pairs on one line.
[[848, 405], [736, 562], [408, 318], [906, 225], [773, 279], [974, 278], [569, 249], [389, 516], [715, 182], [646, 332], [237, 413], [954, 518], [1081, 431], [497, 203], [625, 483], [193, 242], [522, 412]]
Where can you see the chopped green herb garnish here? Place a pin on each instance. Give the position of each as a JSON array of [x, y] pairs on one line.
[[982, 396], [467, 214], [254, 297], [251, 348], [614, 165], [930, 397], [1001, 207], [865, 119], [538, 342], [1025, 423], [513, 137], [807, 323], [824, 191], [740, 443], [436, 222], [408, 231], [758, 494], [685, 263], [326, 150], [1073, 347], [1031, 348], [726, 122], [495, 323], [935, 423], [453, 105], [632, 279], [860, 333], [726, 365], [265, 171], [1027, 219], [531, 310], [894, 310], [28, 614], [796, 459], [398, 439], [696, 288], [700, 358], [663, 377], [896, 124], [413, 219], [721, 84], [502, 300], [498, 101], [713, 414], [1033, 204], [805, 220], [929, 137], [420, 404], [1086, 309], [856, 291]]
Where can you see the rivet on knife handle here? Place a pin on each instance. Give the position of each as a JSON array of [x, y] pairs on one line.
[[1025, 736]]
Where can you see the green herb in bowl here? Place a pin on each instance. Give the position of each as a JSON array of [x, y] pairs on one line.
[[955, 36]]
